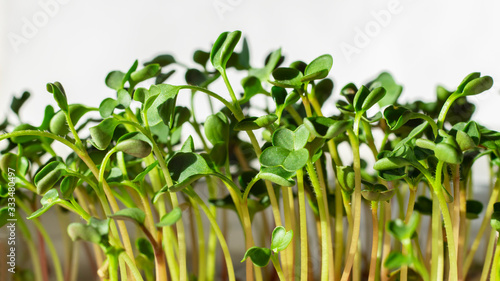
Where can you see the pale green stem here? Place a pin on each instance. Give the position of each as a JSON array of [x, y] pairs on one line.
[[304, 262], [356, 206], [218, 232], [48, 241]]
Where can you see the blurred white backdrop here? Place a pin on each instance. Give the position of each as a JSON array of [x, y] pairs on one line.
[[422, 43]]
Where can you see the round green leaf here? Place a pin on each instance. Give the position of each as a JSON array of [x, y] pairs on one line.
[[318, 68], [281, 239], [287, 78], [259, 256], [102, 134], [217, 128], [79, 231], [277, 175], [135, 144], [170, 218], [473, 209]]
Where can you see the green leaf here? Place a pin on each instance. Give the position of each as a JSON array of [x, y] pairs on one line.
[[360, 97], [48, 114], [201, 57], [162, 60], [59, 95], [466, 80], [289, 160], [389, 163], [291, 140], [107, 107], [48, 176], [259, 256], [281, 239], [186, 167], [50, 198], [423, 205], [144, 247], [58, 123], [393, 90], [277, 175], [473, 209], [145, 73], [345, 177], [323, 90], [162, 77], [195, 77], [217, 128], [272, 61], [296, 160], [223, 49], [140, 177], [219, 154], [396, 116], [375, 96], [102, 134], [135, 144], [396, 260], [162, 104], [287, 78], [114, 79], [96, 231], [79, 231], [402, 231], [328, 128], [254, 123], [478, 86], [448, 153], [495, 217], [318, 68], [4, 216], [251, 86], [68, 185], [17, 103], [170, 218], [377, 193], [133, 214]]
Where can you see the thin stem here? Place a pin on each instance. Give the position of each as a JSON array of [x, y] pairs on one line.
[[484, 224], [373, 261], [304, 262], [323, 220], [357, 206], [495, 269], [276, 263], [34, 255], [40, 134], [445, 108], [47, 240], [452, 253], [488, 257], [218, 232], [131, 266]]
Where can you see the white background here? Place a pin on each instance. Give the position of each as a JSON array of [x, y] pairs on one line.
[[422, 43]]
